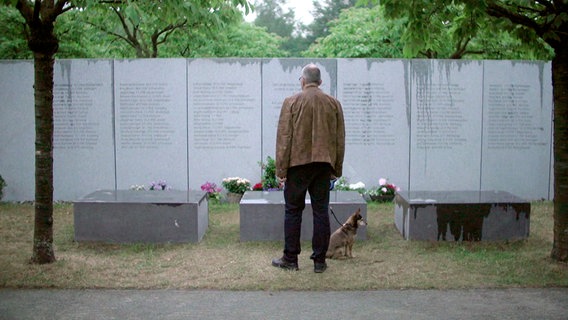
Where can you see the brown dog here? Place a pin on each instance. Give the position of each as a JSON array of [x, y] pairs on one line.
[[342, 240]]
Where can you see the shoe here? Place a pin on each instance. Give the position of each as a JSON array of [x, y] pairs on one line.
[[283, 264], [320, 267]]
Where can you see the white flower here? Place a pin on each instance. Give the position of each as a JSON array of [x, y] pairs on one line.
[[382, 181], [358, 185], [384, 189]]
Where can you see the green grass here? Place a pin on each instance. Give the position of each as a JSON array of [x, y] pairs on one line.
[[221, 261]]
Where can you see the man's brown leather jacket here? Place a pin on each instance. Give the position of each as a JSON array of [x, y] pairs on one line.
[[311, 128]]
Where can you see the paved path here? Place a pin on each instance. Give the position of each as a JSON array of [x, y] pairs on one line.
[[199, 304]]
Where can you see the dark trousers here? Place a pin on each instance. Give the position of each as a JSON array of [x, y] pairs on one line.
[[312, 178]]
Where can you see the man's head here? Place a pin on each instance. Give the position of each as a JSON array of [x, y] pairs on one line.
[[311, 74]]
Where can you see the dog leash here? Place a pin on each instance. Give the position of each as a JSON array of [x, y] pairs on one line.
[[333, 213]]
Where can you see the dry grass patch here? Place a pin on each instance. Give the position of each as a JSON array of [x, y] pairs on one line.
[[221, 261]]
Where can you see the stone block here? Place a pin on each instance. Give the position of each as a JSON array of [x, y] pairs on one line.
[[461, 215], [128, 216], [262, 215]]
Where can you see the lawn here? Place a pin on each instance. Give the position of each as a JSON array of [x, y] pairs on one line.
[[384, 261]]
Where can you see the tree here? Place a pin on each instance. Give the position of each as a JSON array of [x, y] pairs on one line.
[[76, 39], [361, 33], [146, 24], [533, 22], [368, 33], [40, 18], [270, 15], [12, 35], [325, 12], [239, 40]]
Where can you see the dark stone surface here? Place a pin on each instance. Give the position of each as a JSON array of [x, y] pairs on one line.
[[262, 214], [128, 216], [462, 215]]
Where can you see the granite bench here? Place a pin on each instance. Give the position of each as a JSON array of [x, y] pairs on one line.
[[262, 214], [131, 216], [461, 215]]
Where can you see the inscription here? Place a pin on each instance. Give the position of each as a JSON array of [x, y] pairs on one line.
[[510, 123], [143, 116], [368, 109], [74, 125], [218, 109], [440, 120]]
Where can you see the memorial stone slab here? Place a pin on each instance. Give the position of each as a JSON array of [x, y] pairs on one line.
[[17, 134], [457, 135], [262, 214], [280, 79], [224, 119], [129, 216], [517, 128], [83, 138], [461, 215], [446, 125], [376, 105], [151, 122]]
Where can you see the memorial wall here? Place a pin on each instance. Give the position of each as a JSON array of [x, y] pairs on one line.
[[423, 124]]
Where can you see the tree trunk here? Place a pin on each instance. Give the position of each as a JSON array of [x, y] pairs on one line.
[[44, 44], [560, 87], [43, 228]]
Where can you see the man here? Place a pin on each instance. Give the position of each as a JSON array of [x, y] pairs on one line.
[[310, 146]]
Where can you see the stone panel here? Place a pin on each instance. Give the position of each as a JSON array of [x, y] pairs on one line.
[[151, 122], [224, 120], [517, 128], [17, 133], [376, 105], [446, 125], [83, 138]]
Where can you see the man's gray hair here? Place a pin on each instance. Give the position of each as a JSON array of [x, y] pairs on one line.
[[311, 73]]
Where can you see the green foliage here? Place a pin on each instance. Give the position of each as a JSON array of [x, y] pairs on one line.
[[77, 39], [243, 40], [401, 30], [13, 44], [361, 33], [269, 14], [325, 12], [147, 24], [212, 28], [269, 180], [466, 29]]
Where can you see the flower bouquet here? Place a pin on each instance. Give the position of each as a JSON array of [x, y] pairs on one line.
[[213, 192], [159, 185], [385, 192], [236, 185]]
